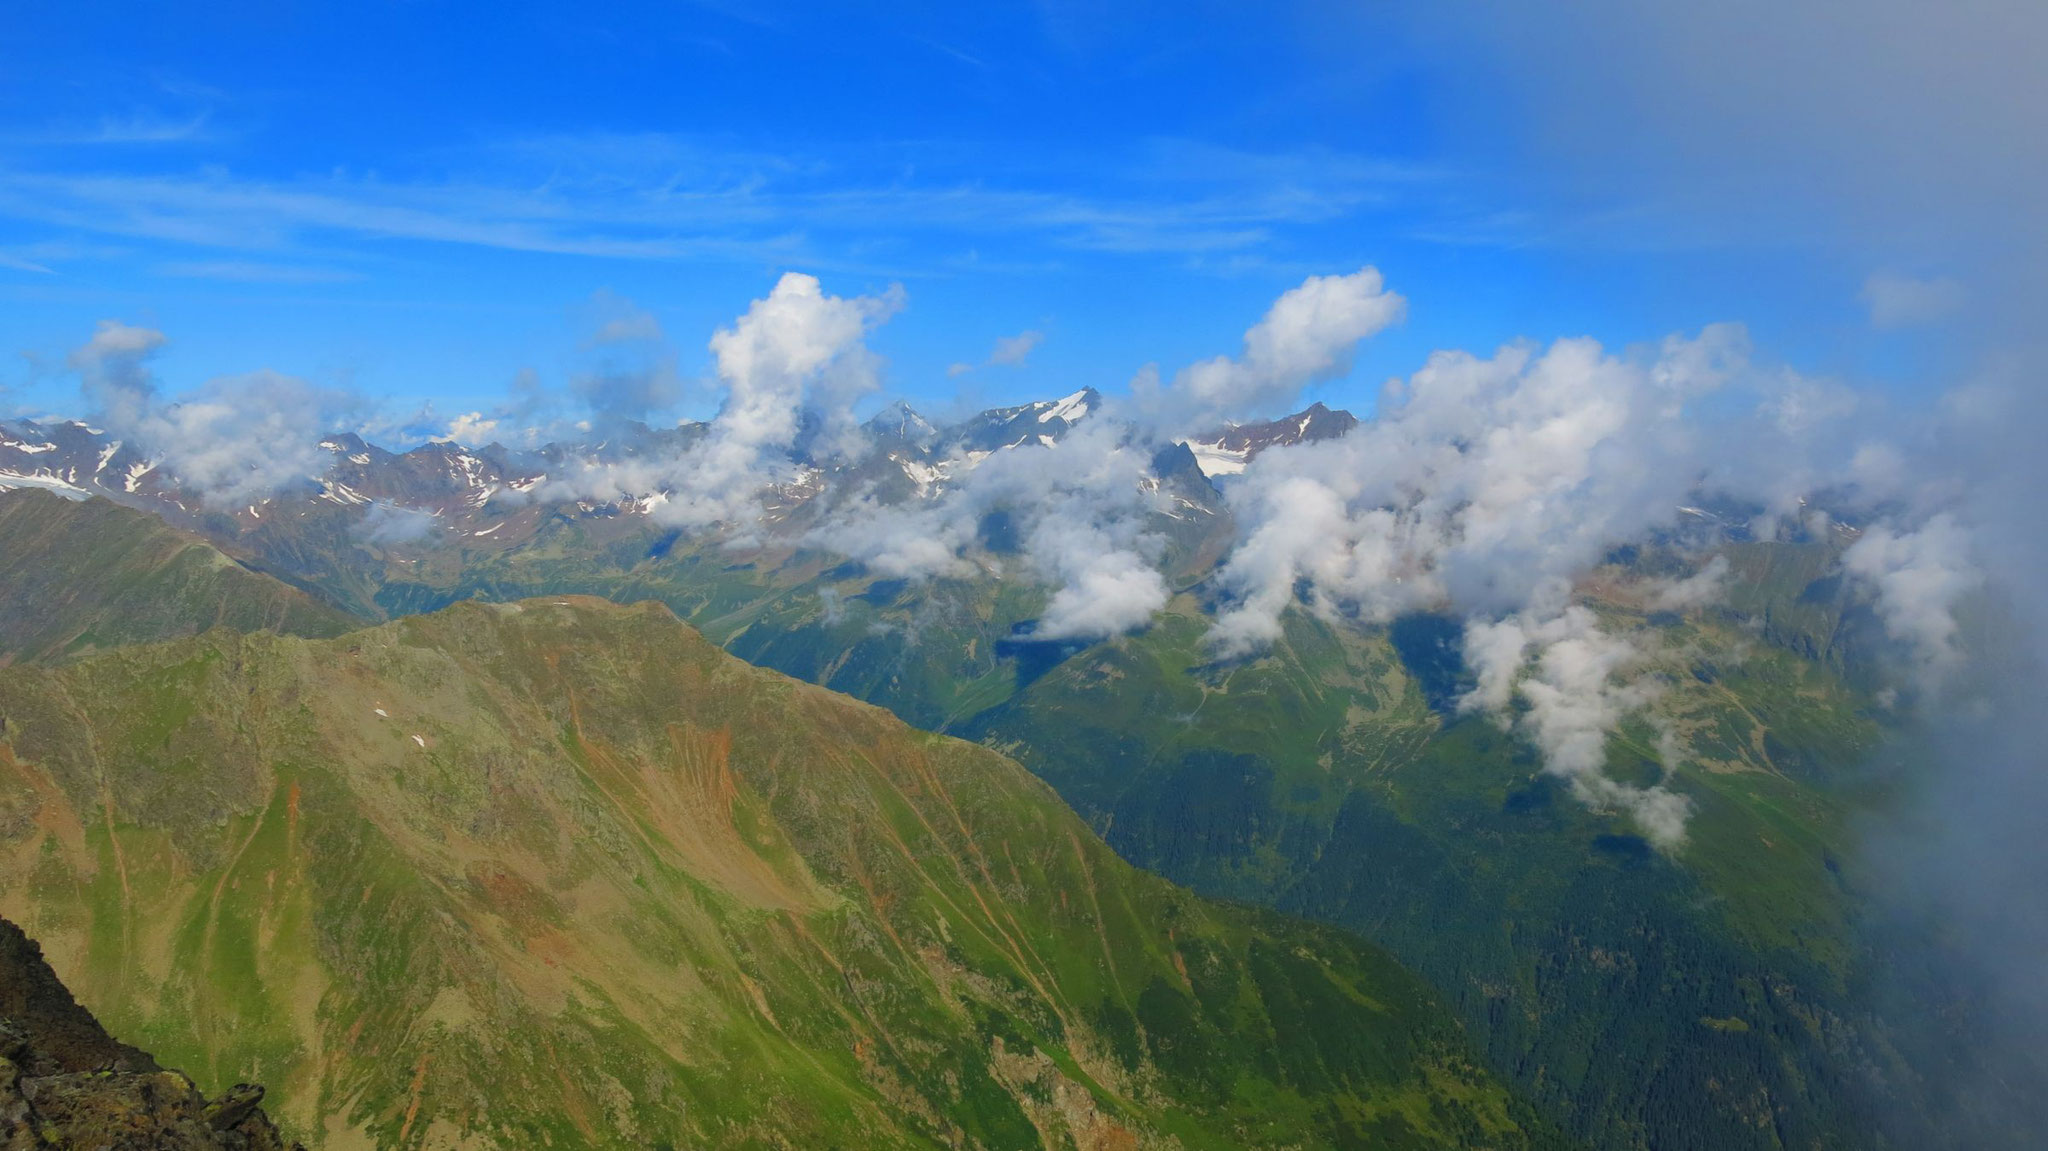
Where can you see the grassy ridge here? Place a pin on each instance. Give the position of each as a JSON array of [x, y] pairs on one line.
[[589, 881], [1714, 997], [84, 576]]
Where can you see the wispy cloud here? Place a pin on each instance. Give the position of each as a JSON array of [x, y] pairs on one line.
[[664, 198], [242, 271], [953, 53], [1898, 301], [150, 128]]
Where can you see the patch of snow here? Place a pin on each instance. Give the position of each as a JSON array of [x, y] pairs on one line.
[[1071, 409], [135, 474], [106, 453], [420, 739], [486, 531], [26, 448], [922, 474], [643, 505], [1216, 460], [42, 478], [527, 485], [467, 469], [360, 458], [334, 491], [382, 712]]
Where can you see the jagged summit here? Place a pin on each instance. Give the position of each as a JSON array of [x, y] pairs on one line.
[[1227, 452], [899, 423]]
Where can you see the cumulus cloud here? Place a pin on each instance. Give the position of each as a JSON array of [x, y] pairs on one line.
[[1083, 507], [1085, 502], [1695, 591], [1098, 555], [795, 363], [1480, 482], [799, 350], [1575, 679], [113, 369], [1919, 577], [471, 428], [1307, 336], [1488, 486], [235, 438]]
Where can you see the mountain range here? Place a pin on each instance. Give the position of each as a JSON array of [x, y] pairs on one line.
[[516, 823]]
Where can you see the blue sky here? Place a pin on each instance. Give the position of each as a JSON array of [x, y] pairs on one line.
[[422, 200]]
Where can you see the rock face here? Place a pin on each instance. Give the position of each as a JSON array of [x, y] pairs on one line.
[[66, 1083]]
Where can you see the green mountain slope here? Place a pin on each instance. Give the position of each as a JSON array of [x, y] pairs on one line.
[[1713, 998], [1720, 996], [1706, 998], [83, 576], [565, 874]]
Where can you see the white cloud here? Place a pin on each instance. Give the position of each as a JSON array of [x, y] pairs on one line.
[[1014, 350], [1577, 689], [1082, 508], [1695, 591], [235, 438], [471, 428], [252, 272], [1919, 576], [1479, 483], [797, 352], [1307, 336], [1898, 301]]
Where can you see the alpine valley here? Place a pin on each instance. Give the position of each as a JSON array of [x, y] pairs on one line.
[[438, 793]]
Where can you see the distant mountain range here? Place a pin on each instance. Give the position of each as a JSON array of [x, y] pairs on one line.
[[457, 483]]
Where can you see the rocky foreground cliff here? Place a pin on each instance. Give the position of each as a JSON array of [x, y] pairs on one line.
[[66, 1083]]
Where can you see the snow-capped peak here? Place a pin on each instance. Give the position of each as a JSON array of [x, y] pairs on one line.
[[1071, 409]]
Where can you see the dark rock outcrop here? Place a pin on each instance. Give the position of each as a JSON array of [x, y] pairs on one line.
[[66, 1083]]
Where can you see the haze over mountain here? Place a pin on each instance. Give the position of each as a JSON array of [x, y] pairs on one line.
[[1537, 508], [78, 577], [1661, 719]]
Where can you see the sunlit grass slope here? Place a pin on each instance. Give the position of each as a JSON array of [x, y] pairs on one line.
[[562, 873]]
